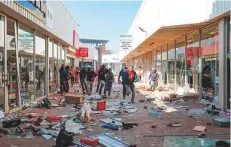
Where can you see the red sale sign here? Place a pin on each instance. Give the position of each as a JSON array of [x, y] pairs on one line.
[[82, 52]]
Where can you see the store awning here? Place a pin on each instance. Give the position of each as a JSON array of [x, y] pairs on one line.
[[166, 34]]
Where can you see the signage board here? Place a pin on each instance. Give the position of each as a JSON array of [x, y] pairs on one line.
[[125, 42], [25, 41], [111, 58], [36, 7], [82, 52]]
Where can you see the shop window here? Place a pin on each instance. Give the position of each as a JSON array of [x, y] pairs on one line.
[[12, 83], [26, 66], [63, 56], [154, 59], [39, 65], [209, 54], [158, 63], [51, 67], [229, 66], [180, 62], [192, 60], [56, 66], [171, 62], [164, 63], [2, 65]]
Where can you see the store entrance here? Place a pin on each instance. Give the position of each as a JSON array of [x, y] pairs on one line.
[[8, 66], [2, 63]]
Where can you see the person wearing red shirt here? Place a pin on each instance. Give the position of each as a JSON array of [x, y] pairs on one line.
[[131, 78]]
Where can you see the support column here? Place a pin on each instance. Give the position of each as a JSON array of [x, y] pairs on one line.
[[200, 67], [34, 74], [223, 45], [47, 66], [65, 55], [53, 68], [17, 65], [161, 65], [5, 67], [167, 63], [175, 70], [185, 65]]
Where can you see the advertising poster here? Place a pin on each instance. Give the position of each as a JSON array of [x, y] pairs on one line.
[[25, 41]]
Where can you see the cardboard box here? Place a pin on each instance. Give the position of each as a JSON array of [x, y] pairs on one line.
[[73, 98]]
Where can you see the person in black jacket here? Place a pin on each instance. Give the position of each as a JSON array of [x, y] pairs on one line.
[[90, 79], [101, 78], [61, 77], [83, 75]]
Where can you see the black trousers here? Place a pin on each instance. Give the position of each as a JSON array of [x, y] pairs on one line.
[[61, 86], [84, 85], [66, 84], [72, 80], [99, 81], [124, 89]]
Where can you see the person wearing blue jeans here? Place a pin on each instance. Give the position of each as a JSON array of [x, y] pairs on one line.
[[123, 74]]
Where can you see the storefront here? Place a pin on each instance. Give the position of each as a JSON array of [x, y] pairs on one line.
[[30, 57], [194, 57]]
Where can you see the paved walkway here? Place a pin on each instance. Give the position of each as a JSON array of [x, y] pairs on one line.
[[175, 114]]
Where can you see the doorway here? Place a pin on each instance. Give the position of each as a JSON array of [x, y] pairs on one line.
[[9, 98]]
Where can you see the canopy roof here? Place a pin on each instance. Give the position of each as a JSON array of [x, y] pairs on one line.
[[166, 34]]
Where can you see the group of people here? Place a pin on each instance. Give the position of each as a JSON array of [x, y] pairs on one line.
[[105, 79], [86, 75], [65, 74]]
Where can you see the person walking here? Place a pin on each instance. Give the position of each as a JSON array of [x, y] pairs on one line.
[[109, 81], [66, 77], [101, 78], [72, 72], [77, 70], [131, 78], [153, 77], [123, 74], [83, 76], [90, 79], [61, 77], [140, 73]]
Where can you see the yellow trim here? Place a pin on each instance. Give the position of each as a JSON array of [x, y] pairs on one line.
[[29, 11]]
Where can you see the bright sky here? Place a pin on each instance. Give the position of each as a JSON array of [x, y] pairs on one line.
[[103, 19]]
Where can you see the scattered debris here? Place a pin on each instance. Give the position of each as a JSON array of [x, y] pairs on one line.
[[221, 121], [90, 140], [174, 124], [110, 141], [128, 125], [153, 126], [11, 123], [200, 128]]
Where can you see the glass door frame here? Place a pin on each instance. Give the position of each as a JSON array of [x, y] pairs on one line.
[[5, 79], [17, 90]]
